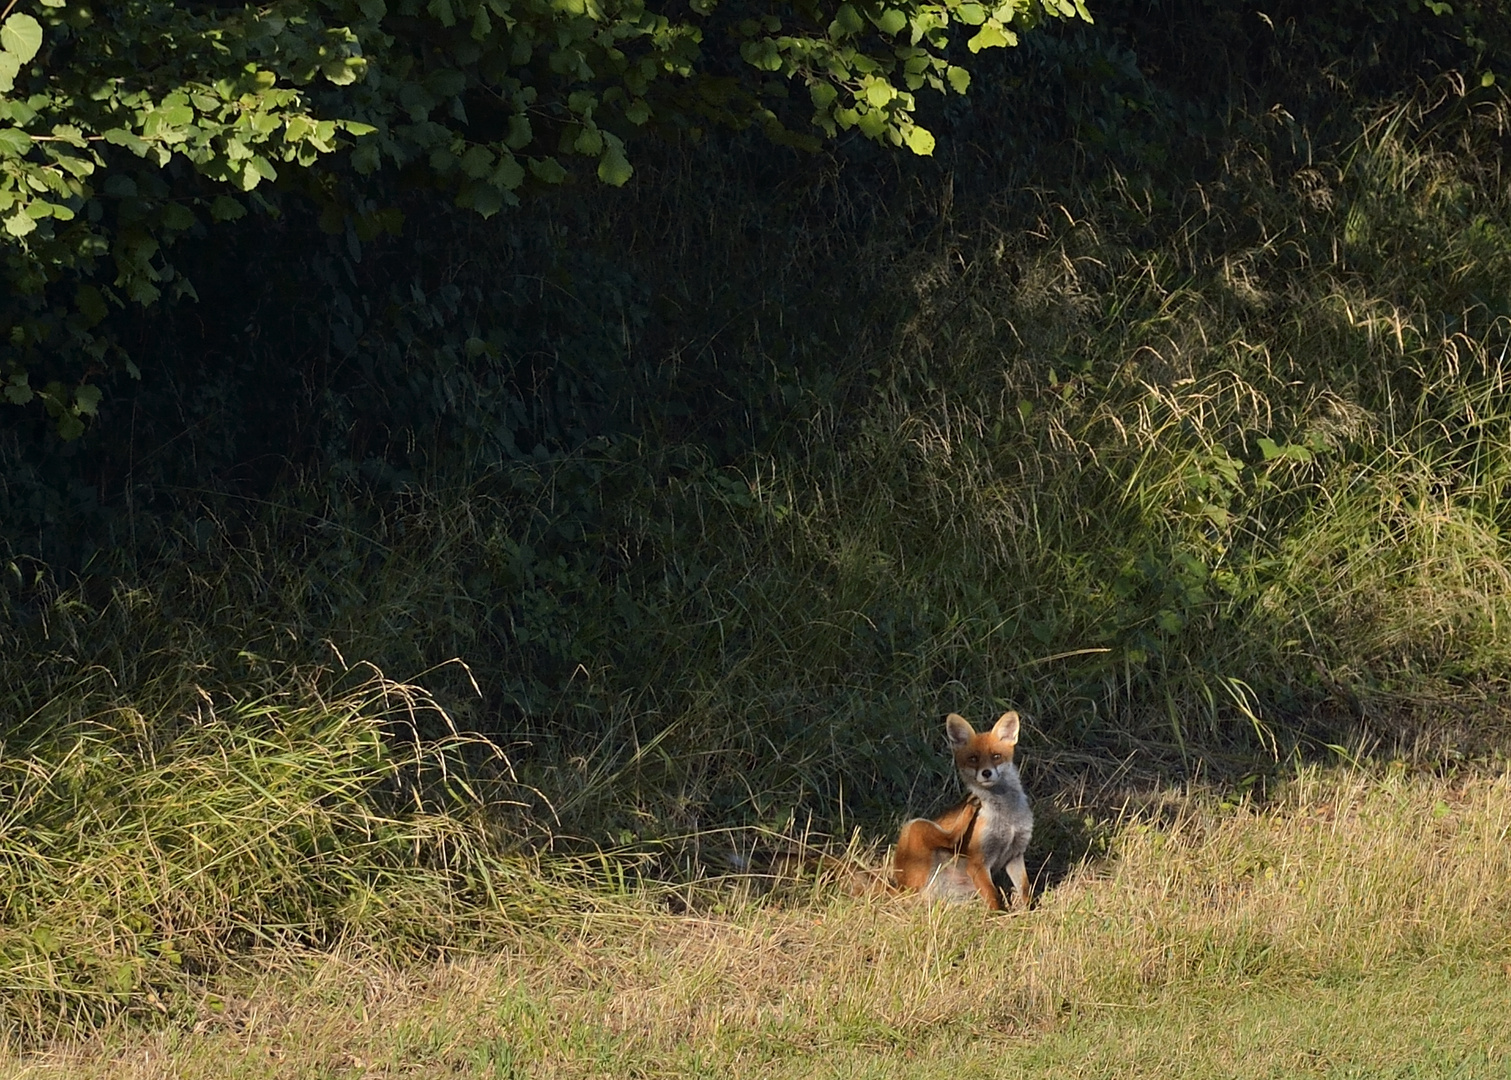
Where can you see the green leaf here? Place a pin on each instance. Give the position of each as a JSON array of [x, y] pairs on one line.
[[17, 111], [762, 54], [920, 141], [178, 217], [10, 67], [547, 170], [989, 37], [971, 14], [75, 166], [131, 141], [589, 141], [892, 21], [477, 162], [1288, 451], [87, 399], [20, 224], [14, 142], [70, 134], [178, 114], [847, 21], [70, 427], [959, 78], [614, 168], [482, 25], [365, 158], [298, 128], [21, 36], [483, 198], [509, 174], [519, 132], [17, 392], [121, 979], [341, 72]]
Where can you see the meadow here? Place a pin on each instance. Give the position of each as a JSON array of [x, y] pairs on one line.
[[1348, 923], [653, 536]]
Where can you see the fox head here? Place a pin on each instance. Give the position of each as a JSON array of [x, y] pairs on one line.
[[985, 761]]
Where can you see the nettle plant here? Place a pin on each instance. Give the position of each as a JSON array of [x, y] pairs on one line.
[[125, 125]]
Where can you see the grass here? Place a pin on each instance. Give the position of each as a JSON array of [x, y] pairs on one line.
[[1351, 924], [1202, 485], [140, 848]]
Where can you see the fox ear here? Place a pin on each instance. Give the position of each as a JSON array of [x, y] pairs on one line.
[[958, 729], [1006, 729]]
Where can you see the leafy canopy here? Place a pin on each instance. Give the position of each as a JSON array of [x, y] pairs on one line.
[[125, 125]]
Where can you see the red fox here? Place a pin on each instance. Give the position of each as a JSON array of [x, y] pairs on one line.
[[949, 856]]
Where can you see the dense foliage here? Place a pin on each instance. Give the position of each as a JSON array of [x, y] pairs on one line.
[[594, 369], [127, 126]]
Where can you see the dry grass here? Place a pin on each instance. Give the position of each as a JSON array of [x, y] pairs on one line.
[[1355, 922]]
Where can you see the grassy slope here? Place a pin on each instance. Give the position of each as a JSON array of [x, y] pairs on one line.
[[1355, 925], [1203, 476]]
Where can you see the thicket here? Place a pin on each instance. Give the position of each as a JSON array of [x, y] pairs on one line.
[[1165, 402], [129, 127]]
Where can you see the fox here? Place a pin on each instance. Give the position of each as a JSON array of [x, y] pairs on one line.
[[948, 856]]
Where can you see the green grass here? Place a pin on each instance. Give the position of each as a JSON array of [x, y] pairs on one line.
[[1351, 926], [1428, 1021], [138, 849]]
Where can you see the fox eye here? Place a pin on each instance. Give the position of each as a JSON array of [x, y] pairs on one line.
[[996, 757], [973, 759]]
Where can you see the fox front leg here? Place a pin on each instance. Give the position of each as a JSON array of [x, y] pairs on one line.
[[981, 877], [1018, 874]]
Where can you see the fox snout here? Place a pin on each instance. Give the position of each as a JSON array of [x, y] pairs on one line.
[[987, 775]]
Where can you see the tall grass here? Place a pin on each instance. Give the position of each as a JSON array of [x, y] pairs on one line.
[[1351, 916], [140, 847], [1223, 475]]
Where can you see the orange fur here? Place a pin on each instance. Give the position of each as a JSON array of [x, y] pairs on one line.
[[946, 857]]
